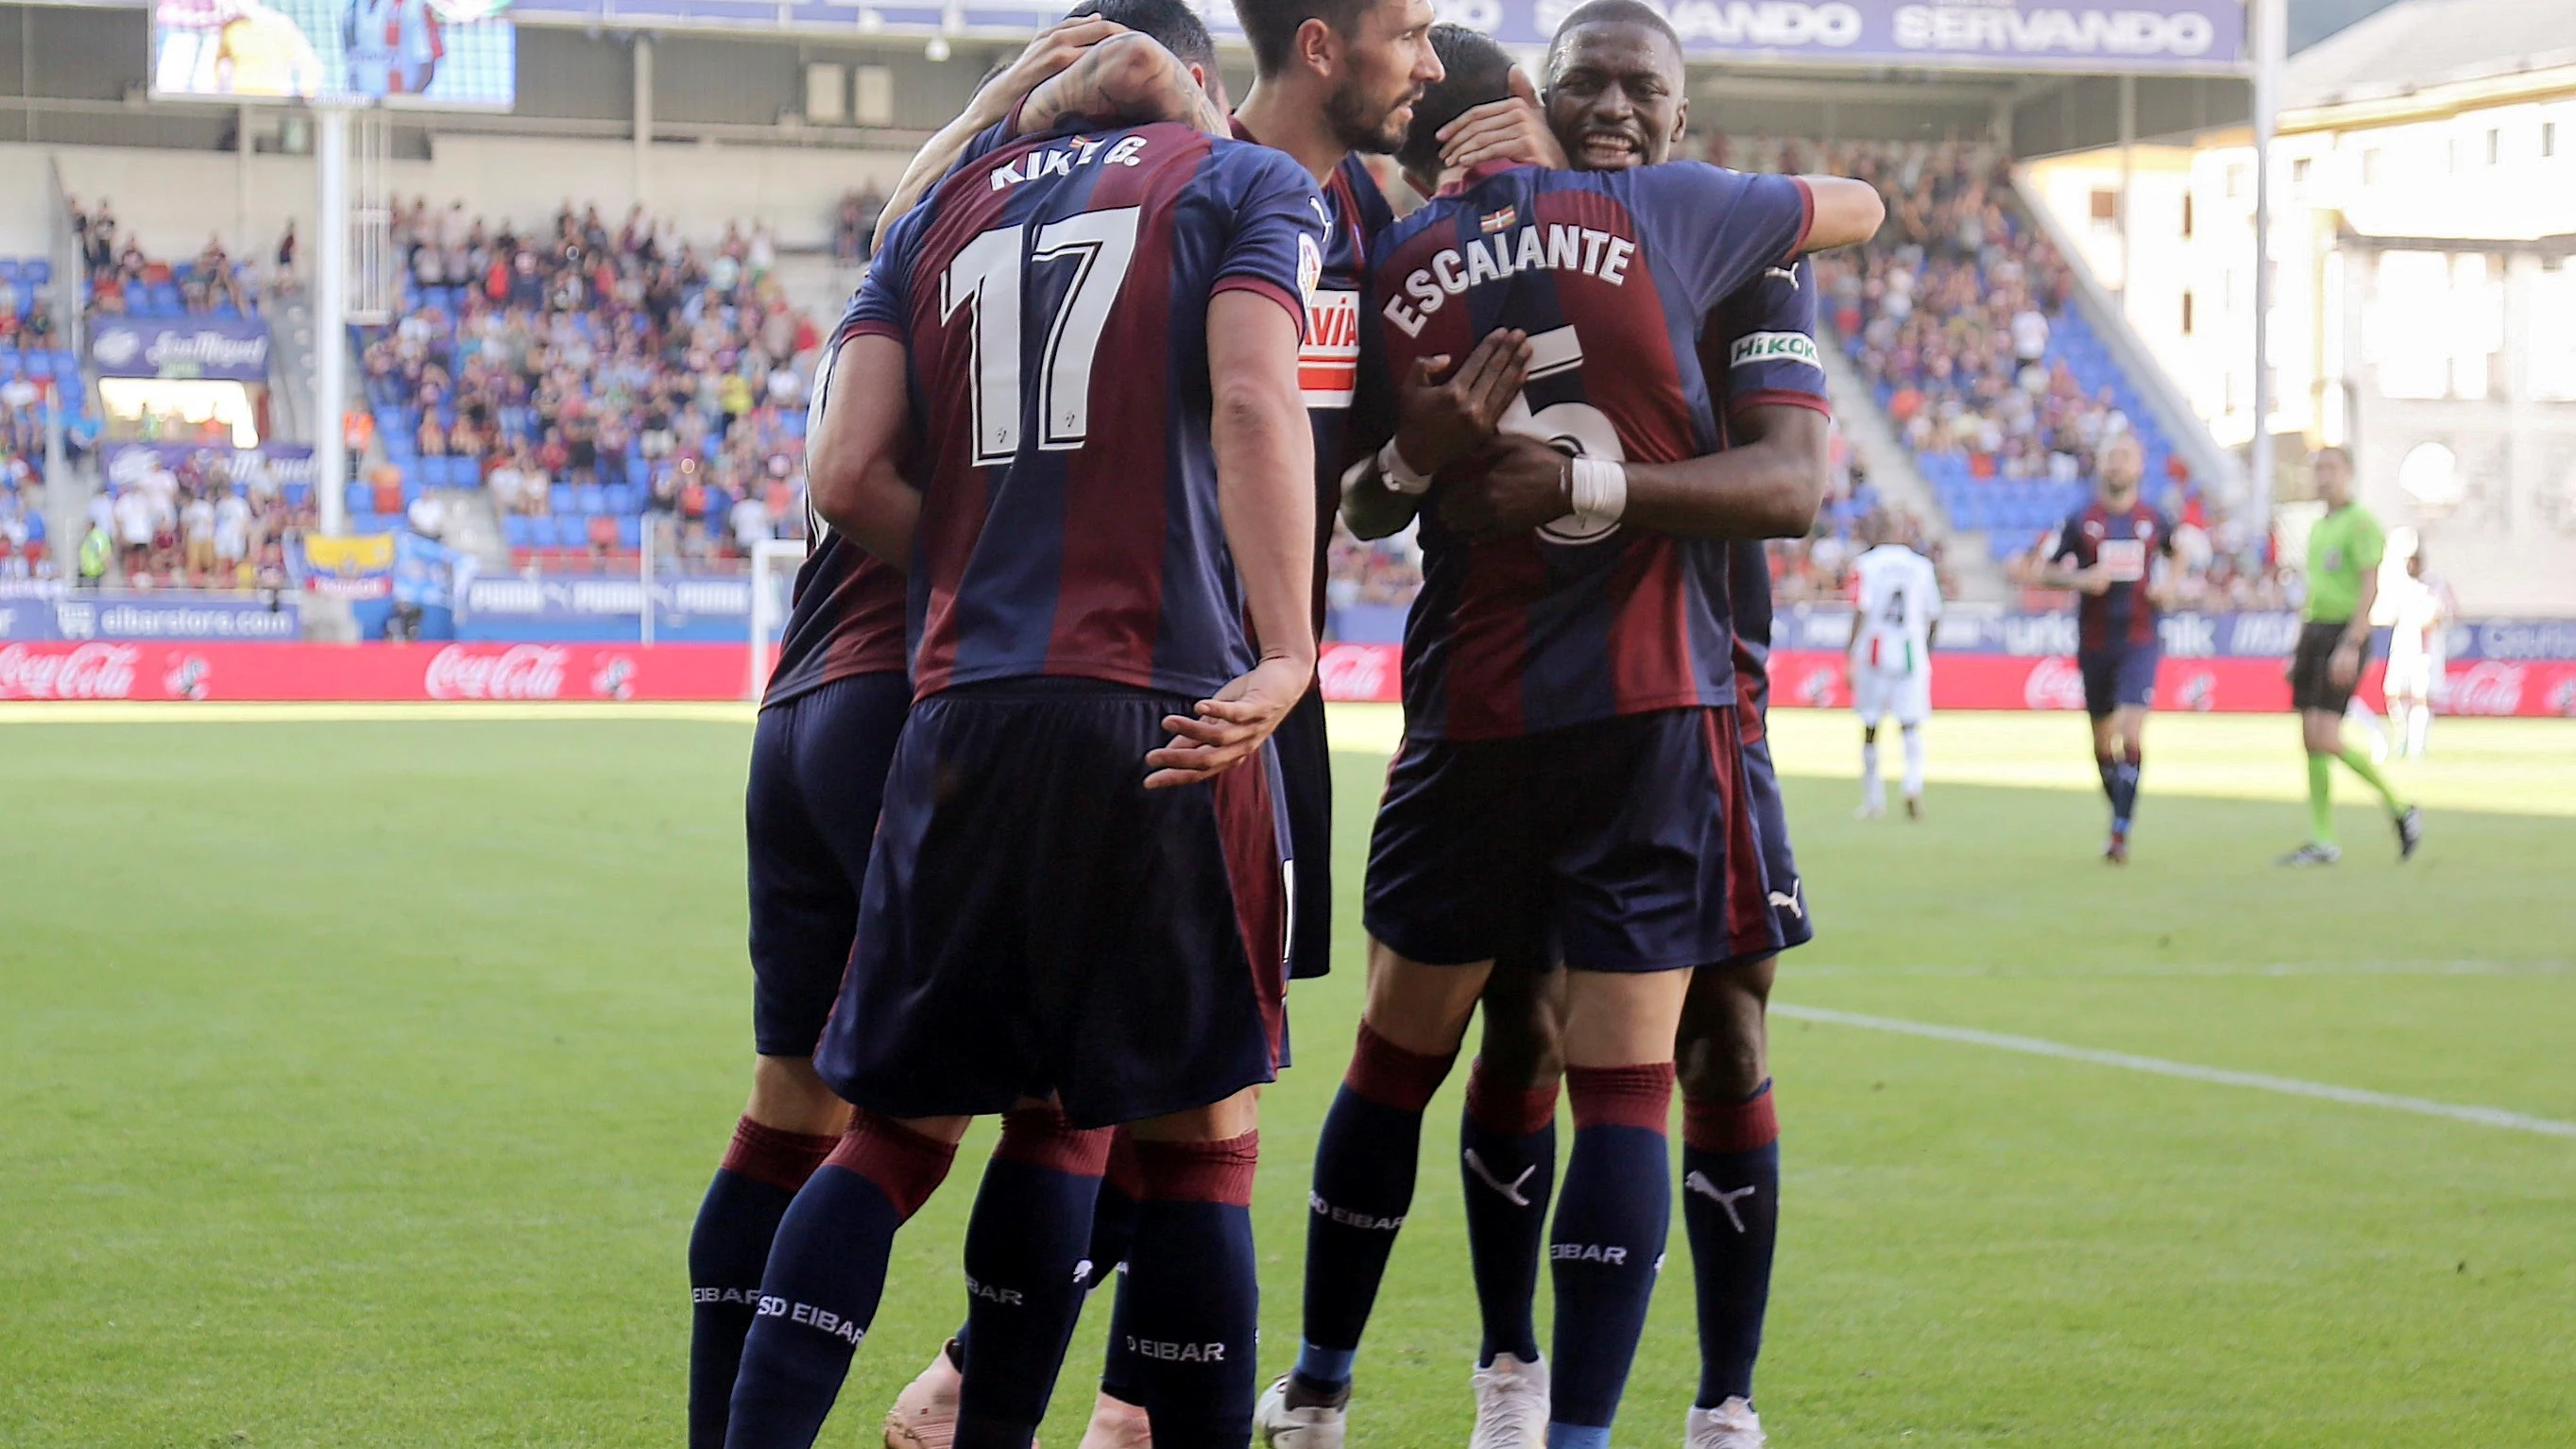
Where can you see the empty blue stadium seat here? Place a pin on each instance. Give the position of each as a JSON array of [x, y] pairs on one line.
[[358, 497], [37, 364], [619, 497], [515, 529], [36, 271], [591, 498], [630, 531], [560, 498]]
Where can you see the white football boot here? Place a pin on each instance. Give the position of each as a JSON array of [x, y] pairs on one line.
[[1731, 1425], [1511, 1405], [1314, 1426]]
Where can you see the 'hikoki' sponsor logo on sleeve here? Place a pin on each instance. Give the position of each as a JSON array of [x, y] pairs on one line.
[[1759, 347]]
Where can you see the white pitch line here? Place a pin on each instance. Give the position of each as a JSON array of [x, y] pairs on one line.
[[2267, 971], [2187, 1071]]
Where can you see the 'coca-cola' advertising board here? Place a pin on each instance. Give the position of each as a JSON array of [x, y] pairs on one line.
[[371, 672], [1815, 678]]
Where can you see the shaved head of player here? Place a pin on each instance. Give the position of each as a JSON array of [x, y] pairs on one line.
[[1615, 94]]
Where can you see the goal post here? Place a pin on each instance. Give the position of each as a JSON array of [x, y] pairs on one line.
[[774, 562]]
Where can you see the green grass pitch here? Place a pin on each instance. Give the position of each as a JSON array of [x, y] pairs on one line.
[[359, 1079]]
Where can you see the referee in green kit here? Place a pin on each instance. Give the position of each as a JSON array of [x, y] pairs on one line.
[[2344, 550]]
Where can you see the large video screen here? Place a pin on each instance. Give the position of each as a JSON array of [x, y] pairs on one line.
[[432, 53]]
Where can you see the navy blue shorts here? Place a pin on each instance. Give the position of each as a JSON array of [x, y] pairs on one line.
[[1783, 922], [1611, 839], [1306, 770], [2119, 677], [1036, 922], [818, 768]]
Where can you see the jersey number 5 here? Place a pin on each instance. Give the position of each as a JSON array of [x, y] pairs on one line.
[[985, 274], [1578, 428]]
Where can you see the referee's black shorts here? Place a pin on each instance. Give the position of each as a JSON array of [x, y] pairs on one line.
[[2312, 683]]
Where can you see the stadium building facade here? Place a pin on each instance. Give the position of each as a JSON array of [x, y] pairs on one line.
[[2424, 252]]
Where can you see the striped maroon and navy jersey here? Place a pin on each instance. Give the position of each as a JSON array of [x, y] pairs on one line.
[[845, 613], [845, 619], [1615, 277], [2128, 542], [1328, 367], [1761, 347], [1052, 294]]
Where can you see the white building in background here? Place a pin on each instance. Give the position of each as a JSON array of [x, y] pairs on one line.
[[2424, 246]]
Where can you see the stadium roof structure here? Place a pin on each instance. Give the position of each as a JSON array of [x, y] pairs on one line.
[[2418, 45]]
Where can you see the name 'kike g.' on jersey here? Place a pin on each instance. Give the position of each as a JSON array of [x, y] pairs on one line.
[[1052, 293]]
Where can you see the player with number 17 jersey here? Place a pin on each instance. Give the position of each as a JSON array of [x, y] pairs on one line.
[[1071, 586], [1572, 764]]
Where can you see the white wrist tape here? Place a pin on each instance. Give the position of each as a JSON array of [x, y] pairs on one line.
[[1399, 474], [1599, 490]]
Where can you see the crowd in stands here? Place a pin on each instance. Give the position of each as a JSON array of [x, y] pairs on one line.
[[24, 550], [854, 225], [189, 522], [590, 378], [120, 278]]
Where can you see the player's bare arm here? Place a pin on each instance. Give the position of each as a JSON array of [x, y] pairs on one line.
[[2091, 579], [2344, 666], [1130, 77], [851, 456], [1847, 213], [1443, 414], [1509, 132], [1265, 459], [1768, 486], [1055, 48]]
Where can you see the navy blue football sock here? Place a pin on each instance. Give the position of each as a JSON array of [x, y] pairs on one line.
[[1195, 1308], [1507, 1159], [826, 1273], [1608, 1239], [1113, 1236], [761, 1171], [2124, 804], [1025, 1248], [1365, 1161], [1731, 1211], [2108, 767]]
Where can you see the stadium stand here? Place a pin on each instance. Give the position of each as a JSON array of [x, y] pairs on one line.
[[122, 280], [587, 380], [35, 376], [197, 520]]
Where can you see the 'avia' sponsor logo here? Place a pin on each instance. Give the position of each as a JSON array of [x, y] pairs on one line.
[[1756, 347]]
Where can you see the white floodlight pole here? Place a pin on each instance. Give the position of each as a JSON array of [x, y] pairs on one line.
[[331, 316], [2270, 39]]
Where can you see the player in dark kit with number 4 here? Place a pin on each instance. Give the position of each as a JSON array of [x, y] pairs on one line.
[[2112, 552], [1083, 350]]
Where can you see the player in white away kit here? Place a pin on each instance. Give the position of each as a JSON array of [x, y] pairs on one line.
[[2425, 609], [1896, 600]]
